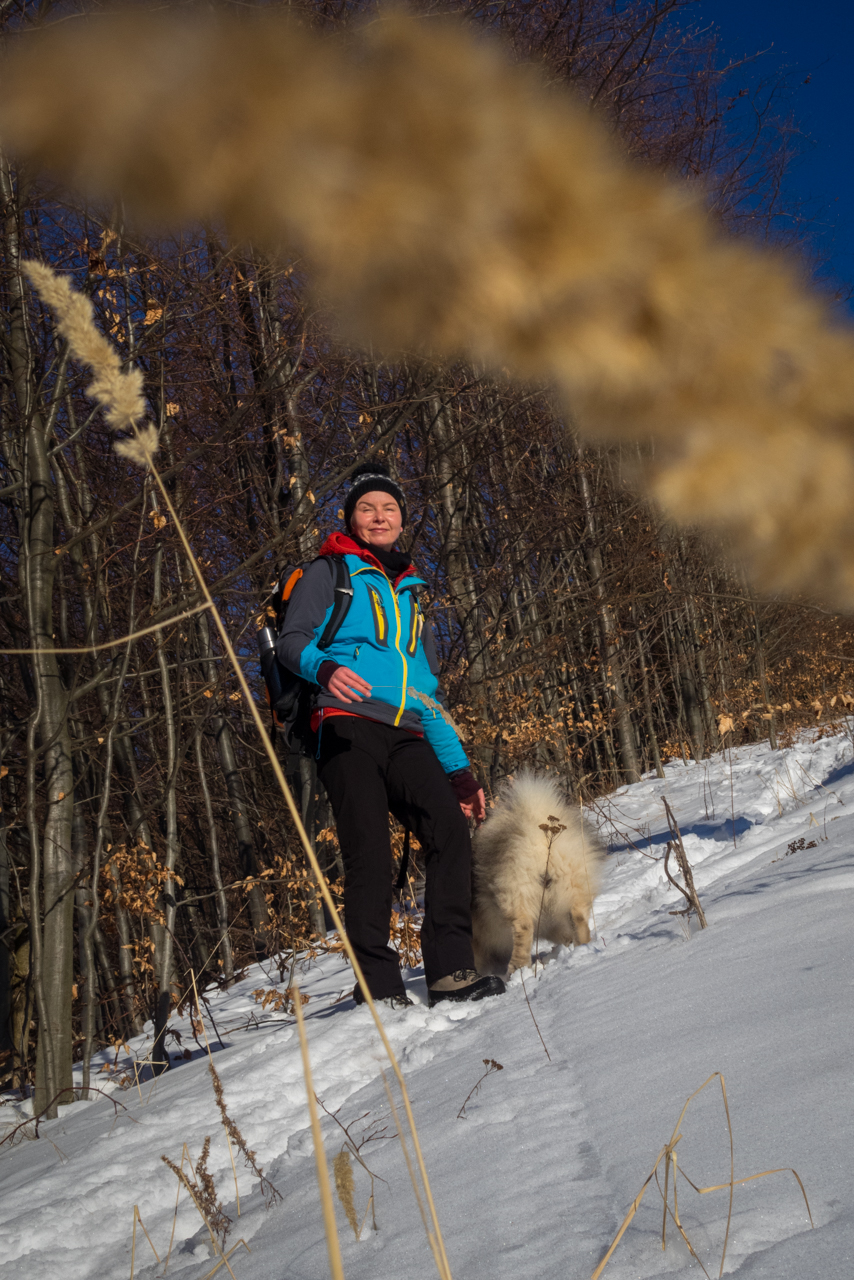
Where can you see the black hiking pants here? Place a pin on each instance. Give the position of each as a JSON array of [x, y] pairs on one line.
[[368, 769]]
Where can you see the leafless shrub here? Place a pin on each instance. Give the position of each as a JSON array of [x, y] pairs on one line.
[[374, 1131], [676, 847]]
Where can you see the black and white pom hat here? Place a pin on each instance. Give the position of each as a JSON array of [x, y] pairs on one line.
[[368, 478]]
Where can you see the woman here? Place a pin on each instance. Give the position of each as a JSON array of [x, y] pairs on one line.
[[385, 743]]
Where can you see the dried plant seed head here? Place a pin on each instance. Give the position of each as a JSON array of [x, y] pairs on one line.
[[448, 201], [118, 390], [140, 449], [344, 1185]]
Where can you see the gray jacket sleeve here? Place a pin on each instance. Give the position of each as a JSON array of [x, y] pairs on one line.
[[428, 640], [309, 606]]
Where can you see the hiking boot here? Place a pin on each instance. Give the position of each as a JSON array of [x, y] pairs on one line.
[[466, 984], [399, 1001]]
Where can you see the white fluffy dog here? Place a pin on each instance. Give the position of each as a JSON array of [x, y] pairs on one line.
[[536, 870]]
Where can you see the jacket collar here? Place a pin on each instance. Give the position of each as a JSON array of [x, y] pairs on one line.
[[341, 544]]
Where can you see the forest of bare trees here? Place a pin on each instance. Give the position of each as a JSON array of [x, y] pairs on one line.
[[142, 835]]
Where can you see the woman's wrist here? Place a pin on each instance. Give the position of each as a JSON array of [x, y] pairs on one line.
[[326, 671], [464, 784]]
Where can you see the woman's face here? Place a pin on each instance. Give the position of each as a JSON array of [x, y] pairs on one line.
[[377, 520]]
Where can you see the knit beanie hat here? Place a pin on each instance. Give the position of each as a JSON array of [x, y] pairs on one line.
[[368, 478]]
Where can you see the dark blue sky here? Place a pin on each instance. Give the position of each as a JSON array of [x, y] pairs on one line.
[[812, 38]]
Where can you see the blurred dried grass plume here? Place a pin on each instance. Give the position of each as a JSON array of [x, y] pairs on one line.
[[118, 391], [448, 202]]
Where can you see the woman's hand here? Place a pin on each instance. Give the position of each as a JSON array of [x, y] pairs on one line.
[[475, 806], [347, 686]]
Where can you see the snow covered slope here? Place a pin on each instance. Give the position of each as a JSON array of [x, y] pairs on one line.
[[535, 1180]]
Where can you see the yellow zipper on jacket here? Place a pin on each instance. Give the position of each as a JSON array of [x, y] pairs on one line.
[[400, 651], [402, 706]]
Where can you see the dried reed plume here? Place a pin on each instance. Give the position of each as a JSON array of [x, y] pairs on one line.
[[118, 390], [345, 1187], [453, 204]]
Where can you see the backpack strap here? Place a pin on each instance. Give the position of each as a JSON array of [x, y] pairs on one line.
[[343, 595], [280, 598]]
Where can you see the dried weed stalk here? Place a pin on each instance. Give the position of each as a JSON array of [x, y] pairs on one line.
[[328, 1208], [676, 847], [435, 1240], [533, 1015], [137, 1217], [671, 1169], [214, 1211], [551, 830], [271, 1194], [451, 202], [491, 1066], [203, 1190]]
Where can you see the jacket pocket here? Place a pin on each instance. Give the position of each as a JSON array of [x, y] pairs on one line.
[[379, 616], [416, 624]]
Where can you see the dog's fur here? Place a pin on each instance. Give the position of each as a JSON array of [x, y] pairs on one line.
[[521, 890]]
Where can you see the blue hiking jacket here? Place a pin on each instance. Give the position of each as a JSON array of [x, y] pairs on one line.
[[383, 638]]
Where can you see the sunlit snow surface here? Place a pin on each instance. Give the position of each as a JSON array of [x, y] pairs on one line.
[[537, 1178]]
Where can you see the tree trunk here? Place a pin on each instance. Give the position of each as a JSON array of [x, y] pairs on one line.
[[762, 676], [51, 870], [164, 933], [247, 856], [690, 698], [457, 568], [7, 1045], [224, 944], [647, 703], [611, 647]]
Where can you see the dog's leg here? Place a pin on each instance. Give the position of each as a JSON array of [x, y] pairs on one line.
[[572, 930], [523, 942], [580, 927], [491, 937]]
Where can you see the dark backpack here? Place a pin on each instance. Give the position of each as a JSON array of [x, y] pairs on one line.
[[289, 695]]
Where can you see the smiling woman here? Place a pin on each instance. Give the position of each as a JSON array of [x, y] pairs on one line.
[[377, 520], [382, 743]]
